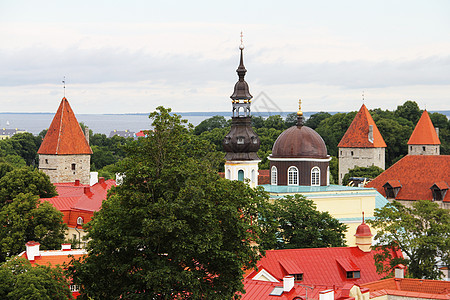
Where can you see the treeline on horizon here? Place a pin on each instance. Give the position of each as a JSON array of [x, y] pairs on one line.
[[395, 127]]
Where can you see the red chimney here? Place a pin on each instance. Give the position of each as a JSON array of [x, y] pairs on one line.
[[101, 180], [87, 190], [77, 182]]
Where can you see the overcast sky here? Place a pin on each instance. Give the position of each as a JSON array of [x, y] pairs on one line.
[[132, 56]]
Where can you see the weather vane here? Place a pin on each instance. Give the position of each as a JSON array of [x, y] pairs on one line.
[[363, 97], [64, 85], [242, 42]]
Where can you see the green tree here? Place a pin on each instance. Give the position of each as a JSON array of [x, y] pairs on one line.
[[409, 111], [315, 119], [26, 145], [25, 180], [301, 225], [173, 228], [332, 130], [210, 124], [26, 219], [20, 280], [275, 122], [421, 231], [368, 172], [291, 120]]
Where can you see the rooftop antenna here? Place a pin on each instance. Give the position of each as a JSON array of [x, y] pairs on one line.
[[64, 86]]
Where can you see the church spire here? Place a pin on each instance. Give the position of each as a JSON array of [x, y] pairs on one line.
[[241, 90]]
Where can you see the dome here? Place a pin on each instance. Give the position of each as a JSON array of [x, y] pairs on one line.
[[363, 230], [299, 141]]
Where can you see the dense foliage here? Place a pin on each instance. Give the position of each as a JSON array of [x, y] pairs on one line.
[[422, 232], [294, 222], [20, 280], [174, 228]]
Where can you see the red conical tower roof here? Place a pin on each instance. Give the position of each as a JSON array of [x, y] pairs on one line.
[[424, 133], [64, 135], [357, 134]]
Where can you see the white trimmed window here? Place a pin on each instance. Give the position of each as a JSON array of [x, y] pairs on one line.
[[74, 288], [315, 176], [292, 176], [274, 176], [80, 221]]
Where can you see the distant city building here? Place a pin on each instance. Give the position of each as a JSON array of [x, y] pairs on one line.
[[65, 154], [123, 133], [6, 133], [425, 138], [241, 144], [362, 144]]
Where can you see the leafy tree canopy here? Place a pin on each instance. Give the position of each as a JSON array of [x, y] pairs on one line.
[[295, 222], [19, 280], [210, 124], [173, 228], [368, 172], [421, 231], [25, 180], [26, 219]]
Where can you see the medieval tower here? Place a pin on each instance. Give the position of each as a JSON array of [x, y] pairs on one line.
[[65, 154], [425, 138], [362, 144]]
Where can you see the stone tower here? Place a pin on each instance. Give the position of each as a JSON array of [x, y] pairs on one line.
[[241, 143], [65, 154], [425, 138], [362, 144]]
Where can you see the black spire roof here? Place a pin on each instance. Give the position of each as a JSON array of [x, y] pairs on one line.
[[241, 91]]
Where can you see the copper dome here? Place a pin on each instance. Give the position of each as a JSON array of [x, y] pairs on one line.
[[298, 142]]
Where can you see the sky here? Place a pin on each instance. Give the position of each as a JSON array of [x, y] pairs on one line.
[[133, 56]]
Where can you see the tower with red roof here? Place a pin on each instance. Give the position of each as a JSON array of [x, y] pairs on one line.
[[65, 154], [424, 140], [362, 144]]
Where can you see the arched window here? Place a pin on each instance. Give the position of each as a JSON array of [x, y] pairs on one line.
[[80, 221], [253, 175], [315, 176], [292, 176], [241, 175], [274, 176], [228, 174]]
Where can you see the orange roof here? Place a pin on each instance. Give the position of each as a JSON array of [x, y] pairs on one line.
[[55, 257], [64, 135], [408, 287], [357, 134], [416, 174], [424, 133]]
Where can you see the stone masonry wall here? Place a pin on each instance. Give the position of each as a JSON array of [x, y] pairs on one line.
[[423, 149], [359, 157], [66, 168]]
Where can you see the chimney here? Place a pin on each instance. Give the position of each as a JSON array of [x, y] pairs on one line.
[[87, 190], [101, 180], [93, 178], [32, 250], [371, 133], [66, 247], [288, 283], [326, 295], [437, 130], [77, 182], [86, 134], [399, 271]]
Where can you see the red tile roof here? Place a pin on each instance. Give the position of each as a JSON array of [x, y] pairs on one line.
[[322, 266], [424, 133], [260, 290], [55, 257], [416, 174], [408, 287], [357, 134], [64, 135], [79, 201]]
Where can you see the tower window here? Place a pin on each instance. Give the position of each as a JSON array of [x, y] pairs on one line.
[[241, 175], [240, 140], [80, 221], [73, 167], [315, 176], [292, 176], [46, 161], [423, 148], [274, 175], [351, 153]]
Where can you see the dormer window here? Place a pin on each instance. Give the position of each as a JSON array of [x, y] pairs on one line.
[[439, 190], [391, 188], [297, 277], [227, 140], [353, 274], [240, 140], [254, 140]]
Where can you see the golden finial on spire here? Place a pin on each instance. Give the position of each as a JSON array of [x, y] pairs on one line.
[[299, 113]]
